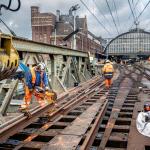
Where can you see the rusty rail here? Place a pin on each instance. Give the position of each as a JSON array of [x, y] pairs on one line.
[[93, 119], [22, 121]]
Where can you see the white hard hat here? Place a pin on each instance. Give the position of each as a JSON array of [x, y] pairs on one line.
[[107, 61], [41, 66]]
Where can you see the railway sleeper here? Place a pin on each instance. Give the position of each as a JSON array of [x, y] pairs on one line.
[[116, 144], [51, 132], [55, 126], [127, 110], [75, 113], [42, 138], [81, 108], [116, 128], [91, 100], [130, 102], [111, 101], [19, 136], [118, 136], [111, 97], [123, 121], [35, 125], [9, 144], [125, 115], [87, 104], [67, 118], [128, 105]]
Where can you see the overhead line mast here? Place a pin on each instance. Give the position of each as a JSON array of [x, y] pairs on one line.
[[136, 21]]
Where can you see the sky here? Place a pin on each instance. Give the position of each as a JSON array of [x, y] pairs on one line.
[[20, 21]]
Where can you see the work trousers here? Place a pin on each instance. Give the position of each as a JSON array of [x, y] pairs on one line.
[[108, 82], [28, 96]]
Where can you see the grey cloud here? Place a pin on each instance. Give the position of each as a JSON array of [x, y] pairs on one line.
[[21, 24]]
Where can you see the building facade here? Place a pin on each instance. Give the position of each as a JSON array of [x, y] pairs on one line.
[[53, 29], [132, 43], [42, 25]]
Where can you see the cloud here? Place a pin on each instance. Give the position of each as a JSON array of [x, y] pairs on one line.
[[20, 22]]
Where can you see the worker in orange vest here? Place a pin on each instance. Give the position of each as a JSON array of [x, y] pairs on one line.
[[35, 77], [108, 72]]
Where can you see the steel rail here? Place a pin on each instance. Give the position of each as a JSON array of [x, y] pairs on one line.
[[23, 121], [90, 137]]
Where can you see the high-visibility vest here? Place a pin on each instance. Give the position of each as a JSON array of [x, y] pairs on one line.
[[108, 70], [33, 73]]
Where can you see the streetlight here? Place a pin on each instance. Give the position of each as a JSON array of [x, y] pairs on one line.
[[74, 8]]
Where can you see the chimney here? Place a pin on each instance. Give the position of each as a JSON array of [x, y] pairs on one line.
[[57, 15], [34, 10]]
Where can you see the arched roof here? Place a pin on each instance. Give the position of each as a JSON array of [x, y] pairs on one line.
[[137, 30]]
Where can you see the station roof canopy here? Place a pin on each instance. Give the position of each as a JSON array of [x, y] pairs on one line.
[[133, 42]]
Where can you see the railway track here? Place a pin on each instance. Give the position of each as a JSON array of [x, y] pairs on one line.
[[89, 118], [9, 134]]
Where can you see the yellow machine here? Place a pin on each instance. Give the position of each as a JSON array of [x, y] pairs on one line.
[[9, 57]]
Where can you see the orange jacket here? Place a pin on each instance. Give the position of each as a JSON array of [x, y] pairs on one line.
[[108, 70], [108, 67]]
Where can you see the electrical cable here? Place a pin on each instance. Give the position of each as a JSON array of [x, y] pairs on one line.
[[141, 12], [12, 32], [101, 12], [112, 16], [134, 18], [9, 6], [134, 8], [95, 17], [143, 9], [116, 13]]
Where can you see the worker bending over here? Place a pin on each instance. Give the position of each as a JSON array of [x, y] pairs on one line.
[[35, 77], [108, 71]]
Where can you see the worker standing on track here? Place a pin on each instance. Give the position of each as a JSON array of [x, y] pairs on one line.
[[108, 72], [35, 77]]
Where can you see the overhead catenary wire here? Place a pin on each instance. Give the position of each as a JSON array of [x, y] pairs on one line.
[[12, 32], [108, 21], [112, 16], [134, 8], [95, 18], [134, 18], [116, 13], [142, 11]]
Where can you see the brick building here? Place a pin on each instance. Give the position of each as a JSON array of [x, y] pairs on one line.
[[42, 25], [50, 28]]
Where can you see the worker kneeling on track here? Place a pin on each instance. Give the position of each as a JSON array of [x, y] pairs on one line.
[[36, 83], [108, 72]]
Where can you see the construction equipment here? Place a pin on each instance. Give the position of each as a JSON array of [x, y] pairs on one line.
[[44, 97], [9, 57], [49, 96]]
